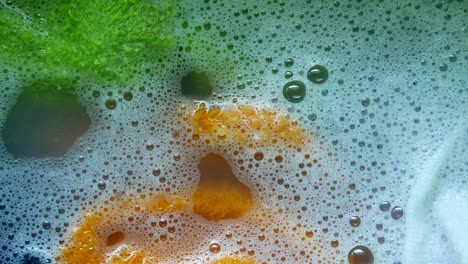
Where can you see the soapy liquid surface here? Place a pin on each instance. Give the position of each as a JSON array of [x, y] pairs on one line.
[[327, 132]]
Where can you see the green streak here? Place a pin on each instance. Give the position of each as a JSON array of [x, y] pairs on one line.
[[109, 40]]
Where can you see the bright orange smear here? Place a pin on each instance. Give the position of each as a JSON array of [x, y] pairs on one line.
[[84, 245], [87, 246], [220, 195], [246, 124], [229, 260]]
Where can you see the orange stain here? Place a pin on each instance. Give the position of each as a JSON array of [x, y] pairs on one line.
[[222, 202], [105, 236], [246, 124], [84, 246], [89, 245]]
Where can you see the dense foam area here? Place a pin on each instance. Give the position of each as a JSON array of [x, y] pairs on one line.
[[341, 168]]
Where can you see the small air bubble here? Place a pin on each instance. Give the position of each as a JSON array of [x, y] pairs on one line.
[[397, 212], [355, 221], [289, 62], [111, 104], [294, 91], [317, 74], [46, 225], [365, 102], [384, 206], [101, 185], [215, 248]]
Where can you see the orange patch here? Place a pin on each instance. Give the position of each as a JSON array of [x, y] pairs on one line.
[[220, 195], [84, 246], [222, 202], [246, 124], [87, 244]]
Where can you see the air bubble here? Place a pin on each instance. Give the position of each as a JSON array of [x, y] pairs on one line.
[[288, 75], [128, 96], [355, 221], [110, 104], [46, 225], [365, 102], [453, 58], [317, 74], [397, 212], [294, 91], [288, 62], [443, 67], [360, 255], [101, 185], [215, 248]]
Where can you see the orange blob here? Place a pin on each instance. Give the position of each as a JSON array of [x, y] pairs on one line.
[[220, 195], [89, 245], [246, 124]]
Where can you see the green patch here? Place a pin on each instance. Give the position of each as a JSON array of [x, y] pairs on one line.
[[108, 40]]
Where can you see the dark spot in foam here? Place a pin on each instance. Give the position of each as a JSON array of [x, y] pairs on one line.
[[44, 122], [29, 259], [196, 85]]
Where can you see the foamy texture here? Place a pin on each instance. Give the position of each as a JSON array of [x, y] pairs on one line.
[[395, 91], [437, 205]]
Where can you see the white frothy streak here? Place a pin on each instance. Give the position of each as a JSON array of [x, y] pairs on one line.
[[422, 244]]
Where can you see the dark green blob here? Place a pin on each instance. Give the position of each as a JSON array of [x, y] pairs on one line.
[[45, 121], [360, 255], [196, 85], [317, 74], [294, 91]]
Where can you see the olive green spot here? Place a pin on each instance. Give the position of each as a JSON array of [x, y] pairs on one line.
[[45, 121], [196, 85]]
